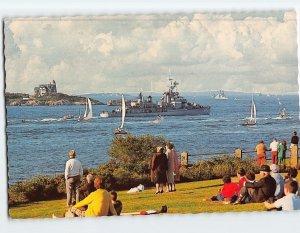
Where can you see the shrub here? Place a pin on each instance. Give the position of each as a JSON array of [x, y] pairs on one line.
[[217, 168], [38, 189], [133, 153]]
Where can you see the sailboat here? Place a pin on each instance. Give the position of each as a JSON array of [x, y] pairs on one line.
[[282, 114], [88, 114], [252, 120], [120, 130], [220, 96]]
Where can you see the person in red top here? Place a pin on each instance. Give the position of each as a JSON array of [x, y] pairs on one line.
[[229, 191], [261, 152], [241, 174]]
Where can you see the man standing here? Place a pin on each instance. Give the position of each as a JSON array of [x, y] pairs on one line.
[[73, 173], [294, 139], [261, 152], [274, 151]]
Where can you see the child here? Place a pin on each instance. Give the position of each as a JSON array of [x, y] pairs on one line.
[[291, 175], [117, 204], [281, 153], [245, 194], [229, 191], [242, 178], [290, 201]]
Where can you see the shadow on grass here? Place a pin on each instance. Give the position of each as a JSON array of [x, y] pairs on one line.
[[210, 186], [202, 187]]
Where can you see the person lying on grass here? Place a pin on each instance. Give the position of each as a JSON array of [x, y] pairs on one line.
[[290, 201], [99, 203], [229, 191]]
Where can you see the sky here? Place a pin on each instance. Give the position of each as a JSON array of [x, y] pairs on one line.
[[233, 51]]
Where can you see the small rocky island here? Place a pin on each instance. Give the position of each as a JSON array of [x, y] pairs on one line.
[[45, 95]]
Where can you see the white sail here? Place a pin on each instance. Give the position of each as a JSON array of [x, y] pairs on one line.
[[86, 109], [123, 112], [88, 114], [252, 120], [253, 111]]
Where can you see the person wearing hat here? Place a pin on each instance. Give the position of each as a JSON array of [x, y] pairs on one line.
[[73, 174], [98, 202], [279, 181], [159, 167], [263, 189]]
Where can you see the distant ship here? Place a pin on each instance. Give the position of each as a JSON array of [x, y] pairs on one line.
[[170, 104], [220, 96], [282, 114]]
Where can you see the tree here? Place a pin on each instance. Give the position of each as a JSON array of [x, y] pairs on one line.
[[133, 153]]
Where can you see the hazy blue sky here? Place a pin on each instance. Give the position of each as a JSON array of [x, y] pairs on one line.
[[239, 51]]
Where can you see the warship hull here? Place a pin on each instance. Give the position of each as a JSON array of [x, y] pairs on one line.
[[175, 112]]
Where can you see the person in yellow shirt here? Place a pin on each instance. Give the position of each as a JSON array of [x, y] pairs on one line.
[[99, 203]]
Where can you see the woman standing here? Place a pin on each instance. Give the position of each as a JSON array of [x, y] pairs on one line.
[[176, 167], [159, 166], [170, 171]]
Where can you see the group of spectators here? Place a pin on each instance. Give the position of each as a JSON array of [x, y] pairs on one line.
[[165, 169], [278, 150], [91, 199], [272, 189]]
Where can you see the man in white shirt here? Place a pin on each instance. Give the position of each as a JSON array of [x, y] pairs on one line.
[[73, 173], [289, 202], [274, 151]]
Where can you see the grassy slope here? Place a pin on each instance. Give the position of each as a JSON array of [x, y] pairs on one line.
[[187, 199]]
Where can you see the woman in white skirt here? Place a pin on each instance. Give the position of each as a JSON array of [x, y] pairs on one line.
[[170, 171]]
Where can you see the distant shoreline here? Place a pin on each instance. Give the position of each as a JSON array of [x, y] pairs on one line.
[[58, 99]]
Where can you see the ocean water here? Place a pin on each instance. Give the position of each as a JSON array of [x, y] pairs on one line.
[[38, 139]]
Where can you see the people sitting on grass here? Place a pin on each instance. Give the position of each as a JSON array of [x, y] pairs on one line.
[[241, 174], [290, 201], [88, 187], [245, 194], [259, 191], [291, 175], [99, 203], [279, 181], [229, 191], [117, 203]]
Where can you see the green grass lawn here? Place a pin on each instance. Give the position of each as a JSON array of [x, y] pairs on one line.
[[189, 198]]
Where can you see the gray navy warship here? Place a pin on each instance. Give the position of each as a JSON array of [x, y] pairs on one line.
[[170, 104]]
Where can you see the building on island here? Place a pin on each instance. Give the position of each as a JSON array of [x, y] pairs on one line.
[[43, 89]]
